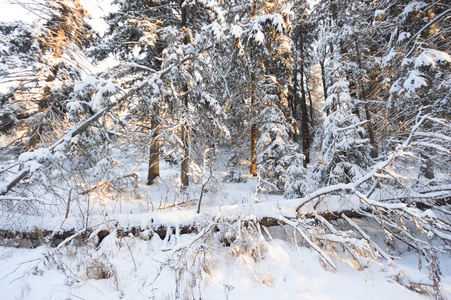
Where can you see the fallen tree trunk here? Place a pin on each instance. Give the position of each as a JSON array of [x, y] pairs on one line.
[[54, 238], [38, 237]]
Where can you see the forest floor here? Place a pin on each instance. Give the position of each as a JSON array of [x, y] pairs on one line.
[[177, 266]]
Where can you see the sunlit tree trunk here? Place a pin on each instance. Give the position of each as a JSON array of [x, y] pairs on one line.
[[154, 156], [185, 129], [323, 78], [253, 170]]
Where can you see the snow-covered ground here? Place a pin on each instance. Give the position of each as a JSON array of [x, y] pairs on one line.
[[132, 268], [269, 265]]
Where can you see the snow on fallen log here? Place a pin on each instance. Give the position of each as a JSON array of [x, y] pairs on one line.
[[24, 199], [198, 236]]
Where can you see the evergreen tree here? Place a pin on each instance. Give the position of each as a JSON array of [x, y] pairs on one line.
[[303, 36], [19, 49], [346, 145], [42, 88], [416, 66], [345, 150], [147, 42], [279, 157], [263, 57]]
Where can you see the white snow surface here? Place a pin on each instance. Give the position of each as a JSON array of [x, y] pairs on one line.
[[236, 31], [378, 13], [414, 81], [412, 7], [430, 57], [139, 268], [283, 272], [386, 60]]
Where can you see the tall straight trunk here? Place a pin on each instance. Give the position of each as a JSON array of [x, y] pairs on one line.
[[185, 138], [154, 155], [253, 170], [310, 103], [254, 150], [295, 96], [374, 149], [305, 131], [323, 77]]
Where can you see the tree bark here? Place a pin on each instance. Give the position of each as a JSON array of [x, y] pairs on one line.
[[254, 150], [374, 149], [295, 97], [253, 170], [35, 136], [310, 104], [154, 156], [427, 167], [323, 77], [185, 138], [305, 131], [185, 162]]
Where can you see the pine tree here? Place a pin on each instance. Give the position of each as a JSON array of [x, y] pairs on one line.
[[303, 36], [19, 49], [50, 71], [263, 60], [416, 65], [280, 162], [148, 43], [345, 150]]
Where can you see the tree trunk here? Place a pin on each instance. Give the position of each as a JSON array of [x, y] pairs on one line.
[[374, 149], [295, 97], [305, 119], [154, 156], [254, 150], [185, 139], [310, 104], [323, 77], [427, 167], [35, 138], [253, 170]]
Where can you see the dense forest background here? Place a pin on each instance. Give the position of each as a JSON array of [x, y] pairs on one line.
[[326, 117]]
